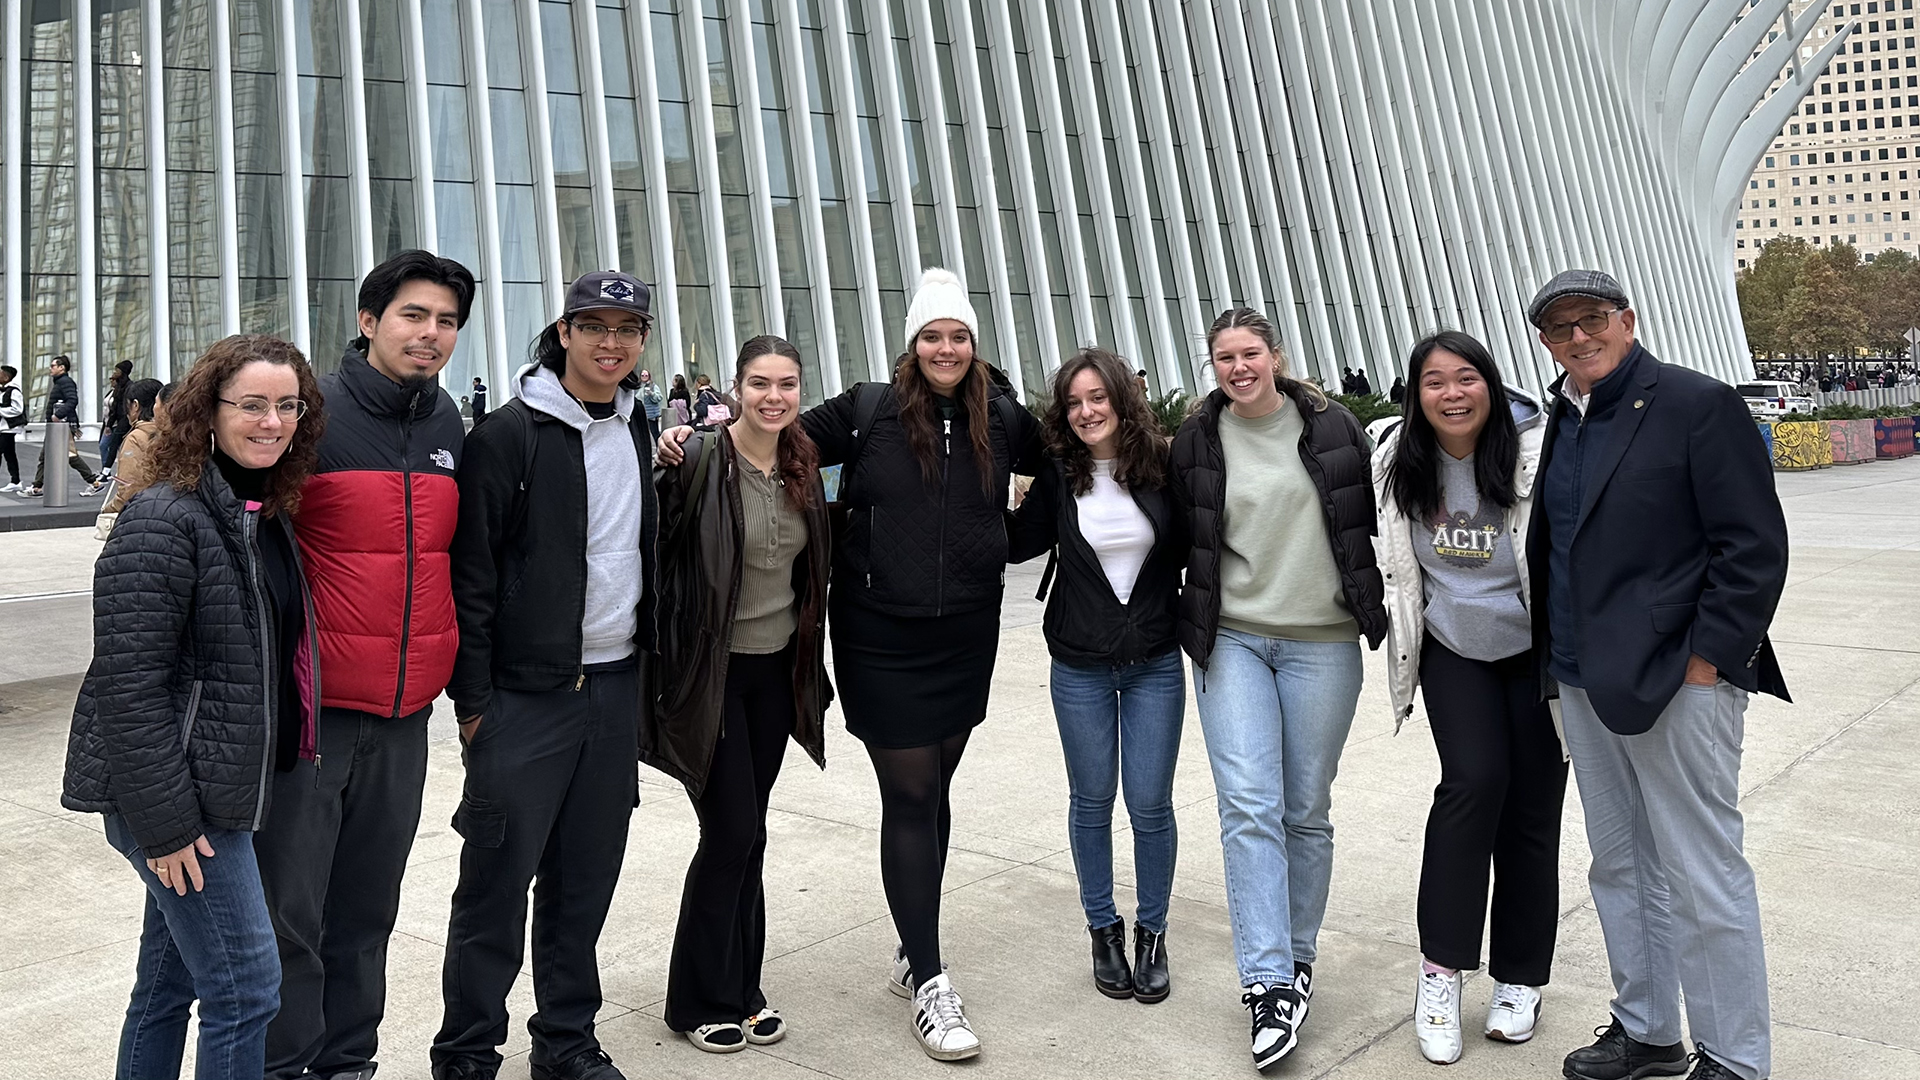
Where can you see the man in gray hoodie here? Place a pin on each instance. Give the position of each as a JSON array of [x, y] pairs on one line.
[[554, 587]]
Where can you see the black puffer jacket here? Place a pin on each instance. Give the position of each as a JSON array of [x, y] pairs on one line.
[[913, 548], [1086, 625], [1336, 454], [176, 722]]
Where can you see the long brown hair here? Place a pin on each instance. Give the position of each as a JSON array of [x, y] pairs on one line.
[[916, 415], [1141, 460], [1242, 318], [183, 442], [799, 458]]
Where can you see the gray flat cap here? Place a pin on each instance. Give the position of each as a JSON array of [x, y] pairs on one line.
[[1594, 283]]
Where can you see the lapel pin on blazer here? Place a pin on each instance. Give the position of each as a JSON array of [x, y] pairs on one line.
[[1639, 402]]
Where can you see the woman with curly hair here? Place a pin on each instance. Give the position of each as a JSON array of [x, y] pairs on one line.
[[1101, 505], [202, 684]]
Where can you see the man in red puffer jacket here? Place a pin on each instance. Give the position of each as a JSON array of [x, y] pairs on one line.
[[374, 526]]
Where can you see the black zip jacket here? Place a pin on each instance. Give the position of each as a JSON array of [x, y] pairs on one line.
[[63, 401], [520, 555], [1086, 625], [912, 548], [176, 725], [1337, 456]]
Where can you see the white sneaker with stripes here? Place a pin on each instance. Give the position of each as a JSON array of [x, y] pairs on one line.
[[939, 1023]]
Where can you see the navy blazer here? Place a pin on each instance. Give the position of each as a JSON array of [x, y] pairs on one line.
[[1679, 547]]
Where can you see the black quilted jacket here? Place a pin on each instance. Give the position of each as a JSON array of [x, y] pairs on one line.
[[1336, 453], [913, 548], [174, 729]]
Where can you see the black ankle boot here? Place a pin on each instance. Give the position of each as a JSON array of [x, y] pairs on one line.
[[1110, 971], [1150, 981]]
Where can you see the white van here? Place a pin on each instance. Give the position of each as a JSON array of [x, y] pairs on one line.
[[1770, 400]]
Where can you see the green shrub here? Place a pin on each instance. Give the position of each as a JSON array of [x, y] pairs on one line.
[[1367, 407], [1839, 411], [1172, 408]]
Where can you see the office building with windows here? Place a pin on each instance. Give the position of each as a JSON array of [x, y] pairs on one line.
[[1115, 171], [1845, 169]]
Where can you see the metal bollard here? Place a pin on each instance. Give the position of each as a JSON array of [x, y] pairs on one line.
[[54, 451]]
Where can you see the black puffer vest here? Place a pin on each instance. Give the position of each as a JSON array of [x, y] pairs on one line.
[[1335, 451]]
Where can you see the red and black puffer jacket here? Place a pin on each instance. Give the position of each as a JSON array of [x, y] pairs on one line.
[[375, 524]]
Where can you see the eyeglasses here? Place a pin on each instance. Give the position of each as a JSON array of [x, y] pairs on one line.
[[595, 333], [255, 409], [1590, 325]]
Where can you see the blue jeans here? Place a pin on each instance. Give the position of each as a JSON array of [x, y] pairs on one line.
[[1120, 728], [1276, 715], [215, 946]]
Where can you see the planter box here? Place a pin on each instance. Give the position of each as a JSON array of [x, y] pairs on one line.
[[1852, 440], [1802, 444], [1893, 438]]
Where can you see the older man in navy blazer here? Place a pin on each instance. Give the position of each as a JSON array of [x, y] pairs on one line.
[[1665, 553]]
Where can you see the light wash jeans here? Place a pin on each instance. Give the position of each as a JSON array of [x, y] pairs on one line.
[[214, 946], [1276, 715], [1120, 730], [1670, 878]]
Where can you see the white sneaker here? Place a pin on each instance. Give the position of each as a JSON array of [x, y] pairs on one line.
[[940, 1024], [15, 486], [901, 981], [1513, 1012], [1436, 1017]]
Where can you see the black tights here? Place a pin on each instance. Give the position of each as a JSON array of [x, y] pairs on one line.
[[915, 820]]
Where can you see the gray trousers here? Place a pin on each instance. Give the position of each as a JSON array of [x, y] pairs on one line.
[[1670, 881]]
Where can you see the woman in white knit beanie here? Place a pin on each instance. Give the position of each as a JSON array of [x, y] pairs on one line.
[[914, 608]]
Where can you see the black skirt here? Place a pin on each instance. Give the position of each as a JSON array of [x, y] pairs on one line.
[[907, 682]]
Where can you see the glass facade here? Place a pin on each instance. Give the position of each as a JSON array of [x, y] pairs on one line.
[[181, 169]]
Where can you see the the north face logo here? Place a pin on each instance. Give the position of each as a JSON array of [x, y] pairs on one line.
[[442, 458], [615, 289]]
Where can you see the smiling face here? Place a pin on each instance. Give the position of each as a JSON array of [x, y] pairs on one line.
[[1454, 398], [602, 349], [944, 350], [256, 444], [769, 391], [415, 336], [1244, 366], [1587, 358], [1090, 413]]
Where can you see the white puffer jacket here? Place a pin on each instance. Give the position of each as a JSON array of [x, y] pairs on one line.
[[1393, 548]]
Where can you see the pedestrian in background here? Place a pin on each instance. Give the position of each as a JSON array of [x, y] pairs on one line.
[[651, 402], [13, 417], [1453, 485], [376, 520], [200, 684], [744, 560], [479, 400], [1665, 552], [1275, 599], [556, 586], [63, 403], [135, 473], [1102, 507]]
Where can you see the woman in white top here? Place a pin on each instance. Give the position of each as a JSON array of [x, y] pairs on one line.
[[1118, 542]]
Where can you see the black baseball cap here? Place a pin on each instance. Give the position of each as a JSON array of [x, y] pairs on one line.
[[609, 290], [1593, 283]]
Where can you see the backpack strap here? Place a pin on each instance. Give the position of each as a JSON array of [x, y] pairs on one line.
[[867, 397], [1046, 576], [529, 446], [700, 470]]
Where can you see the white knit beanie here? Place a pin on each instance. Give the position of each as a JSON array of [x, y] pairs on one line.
[[940, 296]]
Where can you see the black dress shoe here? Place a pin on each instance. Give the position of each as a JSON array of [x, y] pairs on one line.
[[587, 1065], [1150, 982], [1616, 1055], [1706, 1068], [1110, 970]]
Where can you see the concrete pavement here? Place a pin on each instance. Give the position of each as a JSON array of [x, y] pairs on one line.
[[1831, 815]]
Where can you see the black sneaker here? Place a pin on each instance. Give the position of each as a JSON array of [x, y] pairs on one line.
[[1706, 1068], [591, 1064], [464, 1068], [1276, 1012], [1616, 1055]]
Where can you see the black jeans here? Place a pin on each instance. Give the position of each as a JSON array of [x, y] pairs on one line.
[[332, 852], [714, 976], [8, 455], [552, 779], [1503, 781]]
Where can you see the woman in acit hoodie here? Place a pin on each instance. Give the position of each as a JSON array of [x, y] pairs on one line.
[[554, 588], [1454, 487]]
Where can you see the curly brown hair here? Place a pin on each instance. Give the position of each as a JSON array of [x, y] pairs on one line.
[[1141, 461], [183, 442]]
